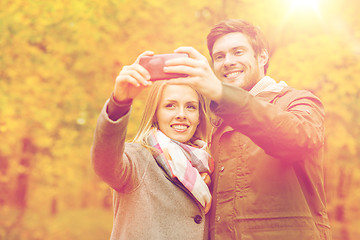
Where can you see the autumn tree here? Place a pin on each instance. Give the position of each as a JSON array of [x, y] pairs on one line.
[[58, 63]]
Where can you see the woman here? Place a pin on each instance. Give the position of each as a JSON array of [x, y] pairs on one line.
[[160, 179]]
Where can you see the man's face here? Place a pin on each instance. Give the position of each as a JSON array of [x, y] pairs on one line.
[[235, 61]]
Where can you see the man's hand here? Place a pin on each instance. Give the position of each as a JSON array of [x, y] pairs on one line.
[[200, 75]]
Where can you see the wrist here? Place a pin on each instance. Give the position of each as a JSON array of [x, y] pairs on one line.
[[121, 101], [217, 93], [117, 109]]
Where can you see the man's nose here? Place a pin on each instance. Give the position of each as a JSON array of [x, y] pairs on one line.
[[228, 60]]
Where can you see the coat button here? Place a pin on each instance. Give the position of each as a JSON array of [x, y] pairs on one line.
[[198, 219]]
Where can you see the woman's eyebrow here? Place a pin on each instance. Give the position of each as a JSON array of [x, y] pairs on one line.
[[196, 103]]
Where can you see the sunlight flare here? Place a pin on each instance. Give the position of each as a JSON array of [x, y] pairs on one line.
[[305, 4]]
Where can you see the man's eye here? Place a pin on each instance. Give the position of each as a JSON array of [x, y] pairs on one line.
[[218, 57], [239, 52]]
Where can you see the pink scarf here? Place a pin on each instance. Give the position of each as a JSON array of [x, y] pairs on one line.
[[185, 163]]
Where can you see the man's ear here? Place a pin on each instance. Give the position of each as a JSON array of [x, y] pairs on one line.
[[263, 57]]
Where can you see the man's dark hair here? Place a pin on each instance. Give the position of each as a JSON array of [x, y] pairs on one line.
[[255, 37]]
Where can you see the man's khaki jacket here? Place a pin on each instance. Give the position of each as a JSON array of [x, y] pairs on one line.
[[268, 181]]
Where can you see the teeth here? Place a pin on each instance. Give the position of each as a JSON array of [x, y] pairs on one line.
[[234, 74], [179, 127]]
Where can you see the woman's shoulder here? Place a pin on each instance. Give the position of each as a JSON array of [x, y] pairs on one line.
[[136, 149]]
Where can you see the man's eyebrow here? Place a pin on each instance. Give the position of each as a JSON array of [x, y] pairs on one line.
[[218, 52], [242, 47], [232, 49]]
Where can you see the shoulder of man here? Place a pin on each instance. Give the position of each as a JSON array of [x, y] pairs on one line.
[[289, 93]]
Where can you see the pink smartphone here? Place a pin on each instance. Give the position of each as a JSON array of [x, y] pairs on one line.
[[155, 64]]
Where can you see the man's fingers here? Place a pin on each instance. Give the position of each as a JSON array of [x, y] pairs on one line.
[[192, 52]]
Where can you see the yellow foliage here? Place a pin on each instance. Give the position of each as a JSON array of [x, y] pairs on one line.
[[58, 63]]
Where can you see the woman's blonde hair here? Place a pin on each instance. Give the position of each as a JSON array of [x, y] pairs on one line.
[[148, 120]]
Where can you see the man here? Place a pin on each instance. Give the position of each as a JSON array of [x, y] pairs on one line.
[[268, 141]]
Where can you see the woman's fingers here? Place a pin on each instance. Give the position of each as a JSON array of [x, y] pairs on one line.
[[135, 74], [146, 53], [132, 79]]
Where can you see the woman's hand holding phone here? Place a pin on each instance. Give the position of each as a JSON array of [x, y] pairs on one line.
[[148, 67], [132, 80]]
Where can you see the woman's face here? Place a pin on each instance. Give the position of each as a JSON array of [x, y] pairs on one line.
[[178, 112]]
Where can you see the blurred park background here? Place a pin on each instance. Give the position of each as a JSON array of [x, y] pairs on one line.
[[58, 62]]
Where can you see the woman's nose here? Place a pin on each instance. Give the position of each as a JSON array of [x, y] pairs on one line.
[[180, 114]]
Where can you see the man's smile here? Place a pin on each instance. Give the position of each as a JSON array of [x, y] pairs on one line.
[[233, 74]]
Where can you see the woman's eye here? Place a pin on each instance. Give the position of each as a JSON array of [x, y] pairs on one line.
[[169, 105], [192, 107]]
